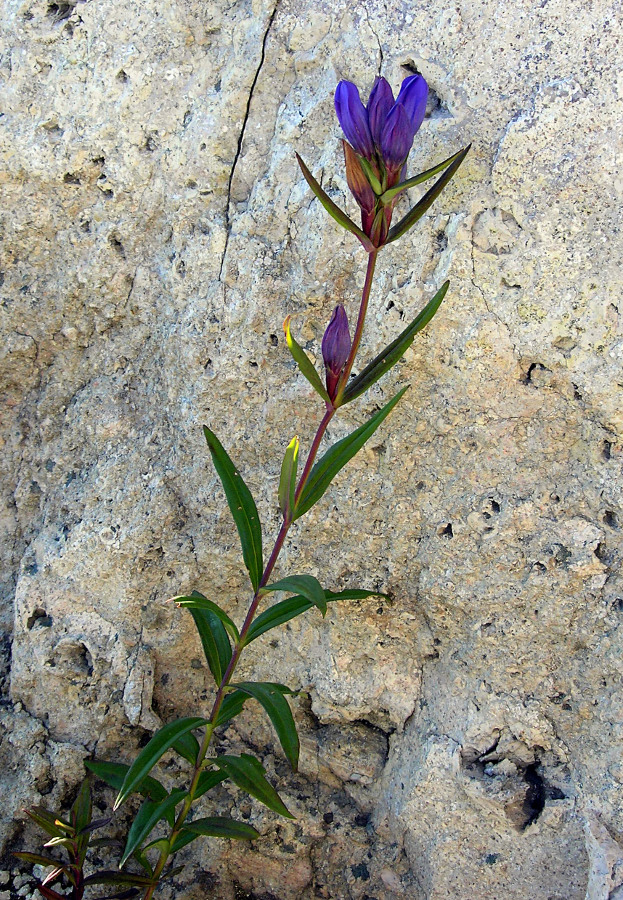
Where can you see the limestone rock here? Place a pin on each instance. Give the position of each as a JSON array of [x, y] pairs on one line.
[[155, 231]]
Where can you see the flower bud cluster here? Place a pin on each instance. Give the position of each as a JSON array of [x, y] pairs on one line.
[[379, 138]]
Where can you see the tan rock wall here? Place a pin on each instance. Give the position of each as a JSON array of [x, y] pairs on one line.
[[466, 740]]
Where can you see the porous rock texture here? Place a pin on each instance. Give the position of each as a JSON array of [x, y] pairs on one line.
[[463, 740]]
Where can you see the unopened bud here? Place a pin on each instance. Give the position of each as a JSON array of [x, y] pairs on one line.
[[336, 346]]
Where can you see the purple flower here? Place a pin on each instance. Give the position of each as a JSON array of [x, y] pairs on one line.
[[380, 136], [382, 132], [336, 344]]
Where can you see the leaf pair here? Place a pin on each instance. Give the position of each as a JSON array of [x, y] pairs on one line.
[[450, 165]]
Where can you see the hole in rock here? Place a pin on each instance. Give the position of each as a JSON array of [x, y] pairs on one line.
[[61, 10], [606, 450], [610, 519], [70, 178], [38, 617], [445, 530]]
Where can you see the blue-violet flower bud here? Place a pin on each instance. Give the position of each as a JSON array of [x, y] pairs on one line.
[[336, 344]]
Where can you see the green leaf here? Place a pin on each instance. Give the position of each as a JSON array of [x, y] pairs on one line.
[[184, 837], [114, 774], [214, 640], [112, 877], [188, 747], [145, 821], [337, 456], [81, 809], [48, 822], [230, 707], [334, 211], [242, 507], [427, 200], [36, 859], [375, 184], [208, 780], [418, 179], [271, 697], [198, 601], [306, 367], [287, 481], [248, 774], [394, 351], [305, 585], [150, 754], [222, 827], [288, 609]]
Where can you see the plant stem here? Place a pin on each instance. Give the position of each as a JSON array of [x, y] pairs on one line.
[[363, 308], [279, 542]]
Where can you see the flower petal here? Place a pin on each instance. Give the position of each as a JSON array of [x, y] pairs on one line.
[[413, 95], [397, 138], [353, 118], [380, 102]]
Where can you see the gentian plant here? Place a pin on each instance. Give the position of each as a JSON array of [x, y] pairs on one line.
[[379, 137]]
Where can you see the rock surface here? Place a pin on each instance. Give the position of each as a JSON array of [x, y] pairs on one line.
[[466, 740]]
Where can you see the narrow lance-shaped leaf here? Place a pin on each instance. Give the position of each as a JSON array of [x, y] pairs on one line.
[[114, 774], [214, 640], [287, 481], [222, 827], [145, 821], [249, 775], [394, 351], [271, 697], [112, 877], [242, 506], [188, 747], [36, 859], [418, 179], [208, 780], [198, 601], [153, 751], [337, 456], [231, 707], [288, 609], [334, 211], [306, 585], [49, 894], [80, 812], [427, 200], [48, 822], [306, 367]]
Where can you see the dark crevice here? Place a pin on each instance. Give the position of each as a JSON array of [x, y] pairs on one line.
[[534, 802], [242, 132]]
